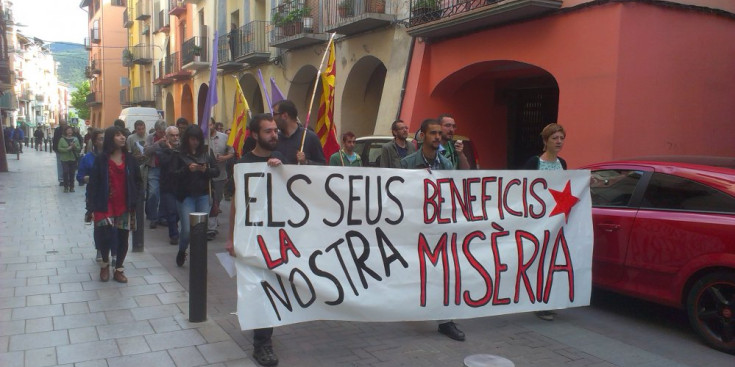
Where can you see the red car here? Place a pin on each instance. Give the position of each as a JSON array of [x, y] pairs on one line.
[[665, 232]]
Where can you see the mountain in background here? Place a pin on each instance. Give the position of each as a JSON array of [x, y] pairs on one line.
[[72, 59]]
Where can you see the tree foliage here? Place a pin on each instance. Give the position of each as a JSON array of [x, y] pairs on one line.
[[79, 99]]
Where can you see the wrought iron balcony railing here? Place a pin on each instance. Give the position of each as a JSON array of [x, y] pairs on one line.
[[141, 54], [194, 49], [141, 10], [248, 44], [355, 16]]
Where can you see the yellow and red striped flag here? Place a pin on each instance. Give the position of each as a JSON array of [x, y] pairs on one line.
[[239, 130], [325, 129]]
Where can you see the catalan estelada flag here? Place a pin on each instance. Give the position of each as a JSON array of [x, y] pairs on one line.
[[325, 129], [239, 130]]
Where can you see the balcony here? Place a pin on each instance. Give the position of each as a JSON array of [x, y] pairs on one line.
[[356, 16], [26, 96], [142, 97], [8, 101], [173, 68], [125, 98], [94, 35], [127, 22], [141, 10], [7, 16], [141, 54], [192, 1], [94, 99], [194, 53], [251, 43], [440, 18], [87, 44], [162, 22], [296, 25], [161, 73], [146, 29], [177, 7], [94, 67]]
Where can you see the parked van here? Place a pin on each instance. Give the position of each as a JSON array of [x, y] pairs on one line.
[[149, 115]]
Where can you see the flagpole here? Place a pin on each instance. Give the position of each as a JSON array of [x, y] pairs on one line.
[[313, 94]]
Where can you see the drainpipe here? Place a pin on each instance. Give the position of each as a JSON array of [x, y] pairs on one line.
[[405, 78]]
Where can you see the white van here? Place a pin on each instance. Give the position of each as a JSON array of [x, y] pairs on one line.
[[149, 115]]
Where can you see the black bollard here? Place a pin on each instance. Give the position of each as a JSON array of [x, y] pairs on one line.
[[138, 234], [198, 267]]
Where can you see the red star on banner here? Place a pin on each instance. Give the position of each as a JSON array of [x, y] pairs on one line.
[[564, 201]]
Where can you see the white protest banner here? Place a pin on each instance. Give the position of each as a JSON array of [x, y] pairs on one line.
[[329, 243]]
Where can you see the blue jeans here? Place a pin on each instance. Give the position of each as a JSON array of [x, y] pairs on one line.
[[168, 211], [59, 168], [190, 204], [154, 196]]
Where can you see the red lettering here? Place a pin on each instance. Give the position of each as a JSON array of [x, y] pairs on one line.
[[542, 213], [541, 264], [485, 197], [440, 199], [430, 201], [512, 183], [499, 267], [480, 269], [425, 251], [560, 241], [523, 267]]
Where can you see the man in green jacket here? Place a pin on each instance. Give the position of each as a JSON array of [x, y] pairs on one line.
[[346, 156]]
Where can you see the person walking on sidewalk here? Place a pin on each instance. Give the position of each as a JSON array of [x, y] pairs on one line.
[[69, 149], [167, 151], [113, 190], [194, 170], [222, 153], [58, 134], [153, 202], [265, 133], [97, 137], [38, 138]]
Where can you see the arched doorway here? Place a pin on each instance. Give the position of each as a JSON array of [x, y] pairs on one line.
[[201, 101], [361, 96], [170, 111], [300, 93], [187, 104], [501, 105], [251, 91]]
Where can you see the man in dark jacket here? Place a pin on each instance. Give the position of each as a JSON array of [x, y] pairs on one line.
[[38, 138], [166, 150]]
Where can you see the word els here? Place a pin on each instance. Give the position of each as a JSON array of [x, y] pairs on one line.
[[353, 200], [449, 247]]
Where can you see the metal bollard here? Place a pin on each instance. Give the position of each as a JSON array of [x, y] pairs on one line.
[[138, 234], [198, 267]]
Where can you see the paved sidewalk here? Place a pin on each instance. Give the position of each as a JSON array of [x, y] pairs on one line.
[[55, 311]]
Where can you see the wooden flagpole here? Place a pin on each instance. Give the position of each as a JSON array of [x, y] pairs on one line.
[[313, 94]]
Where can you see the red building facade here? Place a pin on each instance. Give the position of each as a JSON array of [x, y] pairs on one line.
[[625, 79]]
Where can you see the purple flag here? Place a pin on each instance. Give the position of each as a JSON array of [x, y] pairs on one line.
[[212, 92], [265, 90], [275, 92]]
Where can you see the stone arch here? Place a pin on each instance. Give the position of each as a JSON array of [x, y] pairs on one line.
[[170, 110], [187, 104], [201, 100], [300, 92], [502, 103], [361, 96], [251, 91]]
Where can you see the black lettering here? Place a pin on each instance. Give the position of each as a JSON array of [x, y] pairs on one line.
[[270, 292], [360, 260], [321, 273], [395, 255], [308, 284], [394, 199], [335, 247], [336, 198], [295, 197], [269, 193], [249, 199], [352, 199], [379, 196]]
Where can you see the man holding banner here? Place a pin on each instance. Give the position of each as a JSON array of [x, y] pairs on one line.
[[428, 157], [265, 132], [289, 137]]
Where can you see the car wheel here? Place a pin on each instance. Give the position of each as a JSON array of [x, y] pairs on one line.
[[711, 309]]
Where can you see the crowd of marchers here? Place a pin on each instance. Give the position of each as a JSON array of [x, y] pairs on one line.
[[177, 170]]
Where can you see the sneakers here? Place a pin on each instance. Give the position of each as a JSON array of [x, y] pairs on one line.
[[66, 189], [119, 276], [546, 315], [173, 240], [450, 329], [265, 356], [71, 189], [180, 258], [105, 273], [61, 183]]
